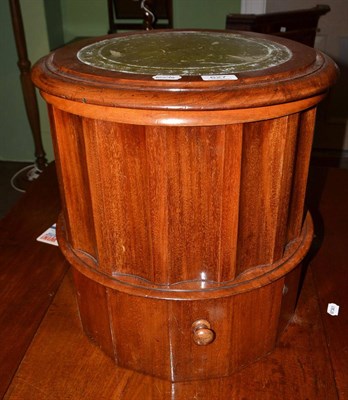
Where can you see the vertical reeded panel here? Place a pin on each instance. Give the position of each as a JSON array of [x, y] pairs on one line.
[[165, 199], [267, 158], [195, 182], [303, 153], [289, 150], [194, 189], [116, 159], [230, 202], [157, 169], [68, 138]]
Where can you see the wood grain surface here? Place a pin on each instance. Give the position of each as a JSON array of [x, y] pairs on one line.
[[30, 274], [183, 199], [329, 192], [168, 208], [310, 361], [195, 208], [62, 363]]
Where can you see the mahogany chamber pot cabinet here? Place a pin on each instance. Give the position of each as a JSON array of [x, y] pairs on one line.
[[182, 159]]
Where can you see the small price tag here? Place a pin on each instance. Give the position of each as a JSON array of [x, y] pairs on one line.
[[333, 309], [219, 77], [166, 77]]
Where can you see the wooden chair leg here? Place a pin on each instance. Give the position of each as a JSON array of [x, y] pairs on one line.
[[28, 88]]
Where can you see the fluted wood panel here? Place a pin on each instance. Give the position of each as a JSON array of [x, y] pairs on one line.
[[268, 153], [167, 197], [290, 135], [116, 163], [300, 175], [68, 140], [227, 263], [200, 196], [176, 204]]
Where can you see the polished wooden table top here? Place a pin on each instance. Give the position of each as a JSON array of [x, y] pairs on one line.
[[44, 353]]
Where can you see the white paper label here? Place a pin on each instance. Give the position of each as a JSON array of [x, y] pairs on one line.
[[333, 309], [166, 77], [49, 236], [219, 77]]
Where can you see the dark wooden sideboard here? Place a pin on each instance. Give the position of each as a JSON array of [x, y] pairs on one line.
[[183, 175], [300, 25]]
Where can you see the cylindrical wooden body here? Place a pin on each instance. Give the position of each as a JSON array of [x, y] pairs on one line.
[[183, 202]]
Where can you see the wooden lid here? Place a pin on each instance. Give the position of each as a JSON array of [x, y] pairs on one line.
[[185, 70]]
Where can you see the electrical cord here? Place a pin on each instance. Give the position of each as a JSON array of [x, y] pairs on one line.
[[32, 174]]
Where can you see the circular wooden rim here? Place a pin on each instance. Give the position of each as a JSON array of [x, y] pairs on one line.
[[308, 73], [180, 118]]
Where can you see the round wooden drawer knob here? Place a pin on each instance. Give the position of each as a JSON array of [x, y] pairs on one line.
[[202, 332]]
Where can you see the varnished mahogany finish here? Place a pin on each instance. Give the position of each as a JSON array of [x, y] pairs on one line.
[[59, 362], [184, 201], [202, 332]]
